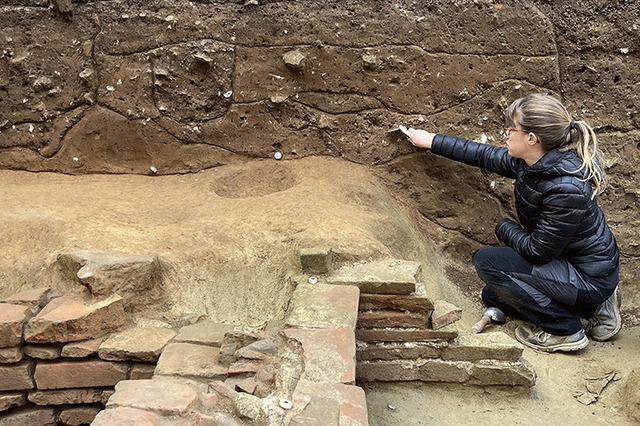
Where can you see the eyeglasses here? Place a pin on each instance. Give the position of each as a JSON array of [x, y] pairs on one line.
[[508, 131]]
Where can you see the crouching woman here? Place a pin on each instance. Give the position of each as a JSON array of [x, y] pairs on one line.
[[560, 263]]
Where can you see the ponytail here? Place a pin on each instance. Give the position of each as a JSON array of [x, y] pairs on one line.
[[546, 117]]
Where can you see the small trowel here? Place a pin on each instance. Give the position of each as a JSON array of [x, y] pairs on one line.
[[489, 315]]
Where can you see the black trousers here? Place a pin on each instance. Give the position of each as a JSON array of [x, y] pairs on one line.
[[553, 296]]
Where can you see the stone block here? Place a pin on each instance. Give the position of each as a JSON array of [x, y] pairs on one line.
[[243, 367], [203, 333], [223, 389], [11, 355], [234, 341], [75, 316], [391, 351], [410, 303], [247, 406], [42, 351], [79, 374], [105, 272], [82, 349], [329, 355], [259, 350], [66, 396], [475, 347], [391, 319], [247, 385], [166, 397], [378, 335], [131, 416], [324, 306], [444, 313], [189, 360], [16, 376], [106, 394], [390, 276], [41, 416], [508, 373], [12, 319], [316, 260], [35, 299], [426, 370], [136, 344], [141, 371], [351, 399], [10, 400], [79, 415], [316, 412]]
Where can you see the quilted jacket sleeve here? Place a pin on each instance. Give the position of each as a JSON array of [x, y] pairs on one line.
[[564, 207], [490, 157]]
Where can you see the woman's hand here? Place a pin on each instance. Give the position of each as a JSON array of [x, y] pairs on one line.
[[420, 138]]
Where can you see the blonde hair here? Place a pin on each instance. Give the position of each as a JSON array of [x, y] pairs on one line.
[[546, 117]]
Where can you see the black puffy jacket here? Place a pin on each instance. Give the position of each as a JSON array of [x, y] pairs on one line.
[[558, 216]]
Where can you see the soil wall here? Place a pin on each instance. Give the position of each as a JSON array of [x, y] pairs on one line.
[[166, 87]]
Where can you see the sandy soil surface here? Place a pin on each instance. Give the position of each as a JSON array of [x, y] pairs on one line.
[[228, 238]]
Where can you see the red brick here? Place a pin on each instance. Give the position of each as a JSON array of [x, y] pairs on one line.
[[42, 351], [393, 319], [351, 399], [75, 316], [410, 303], [388, 276], [490, 372], [158, 395], [12, 319], [79, 415], [318, 411], [391, 351], [207, 332], [82, 349], [187, 360], [429, 370], [16, 376], [131, 416], [79, 374], [375, 335], [329, 355], [11, 355]]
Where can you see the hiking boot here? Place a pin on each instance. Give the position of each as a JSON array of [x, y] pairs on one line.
[[538, 339], [606, 322]]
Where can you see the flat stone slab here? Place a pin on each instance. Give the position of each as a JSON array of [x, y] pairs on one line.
[[379, 335], [475, 347], [203, 333], [141, 371], [12, 319], [79, 374], [393, 319], [399, 350], [426, 370], [11, 400], [329, 355], [351, 400], [189, 360], [324, 306], [75, 316], [42, 351], [389, 276], [66, 396], [136, 344], [35, 298], [82, 349], [411, 303], [132, 416], [503, 373], [444, 313], [166, 397], [17, 376]]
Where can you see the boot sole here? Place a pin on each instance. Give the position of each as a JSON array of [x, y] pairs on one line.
[[561, 347]]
